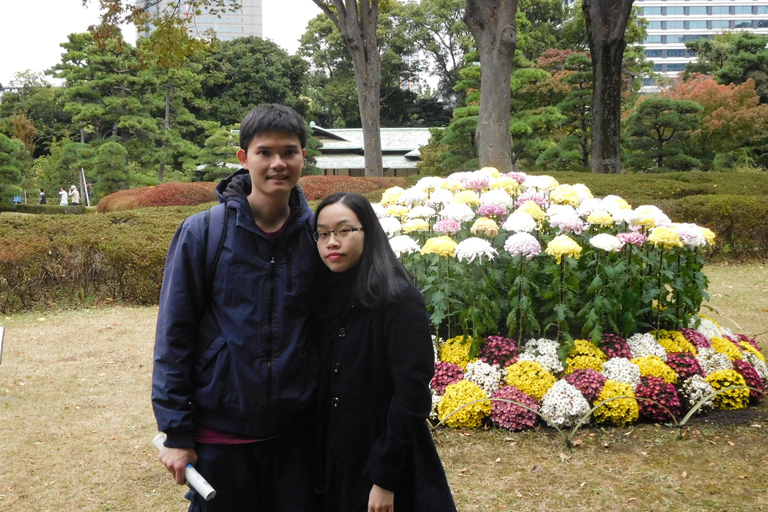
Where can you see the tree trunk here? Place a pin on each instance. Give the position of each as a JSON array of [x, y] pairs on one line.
[[357, 21], [493, 25], [606, 23], [166, 125]]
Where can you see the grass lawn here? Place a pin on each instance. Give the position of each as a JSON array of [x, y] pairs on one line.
[[76, 426]]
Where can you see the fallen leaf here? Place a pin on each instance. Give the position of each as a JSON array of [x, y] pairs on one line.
[[743, 477], [509, 438], [606, 445], [577, 442], [462, 470], [731, 443], [536, 469], [685, 474], [756, 426], [712, 442], [582, 484], [644, 454], [631, 499], [498, 460], [564, 457], [518, 494]]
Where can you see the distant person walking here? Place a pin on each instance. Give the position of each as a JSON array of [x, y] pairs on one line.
[[43, 197], [62, 197], [75, 195]]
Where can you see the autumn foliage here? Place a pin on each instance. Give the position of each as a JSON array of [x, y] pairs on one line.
[[317, 188], [167, 194]]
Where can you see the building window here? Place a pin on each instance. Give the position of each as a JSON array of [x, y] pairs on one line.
[[762, 23], [697, 10], [742, 9], [742, 24], [721, 9], [697, 24], [648, 82], [675, 11], [721, 24], [651, 11], [675, 53], [653, 53], [652, 25], [676, 39], [675, 67], [695, 37], [675, 24], [652, 39], [657, 67], [762, 9]]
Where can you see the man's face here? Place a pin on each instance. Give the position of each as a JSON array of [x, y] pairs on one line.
[[274, 160]]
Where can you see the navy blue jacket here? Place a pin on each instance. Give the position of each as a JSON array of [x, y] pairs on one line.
[[242, 356]]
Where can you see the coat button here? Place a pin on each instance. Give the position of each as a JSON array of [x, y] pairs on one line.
[[335, 401], [336, 367], [342, 332]]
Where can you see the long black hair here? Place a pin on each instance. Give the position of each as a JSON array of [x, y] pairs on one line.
[[378, 268]]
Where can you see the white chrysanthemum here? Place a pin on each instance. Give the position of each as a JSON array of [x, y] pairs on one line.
[[711, 360], [498, 197], [623, 370], [472, 248], [563, 405], [391, 226], [726, 331], [589, 206], [652, 216], [628, 217], [520, 222], [522, 244], [760, 367], [389, 197], [544, 352], [421, 212], [583, 191], [606, 242], [487, 376], [567, 223], [403, 244], [693, 391], [690, 234], [646, 345], [379, 210], [412, 197], [545, 184], [429, 183], [708, 328], [460, 212], [561, 209], [612, 203], [439, 198]]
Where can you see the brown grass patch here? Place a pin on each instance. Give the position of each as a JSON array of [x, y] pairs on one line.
[[76, 425]]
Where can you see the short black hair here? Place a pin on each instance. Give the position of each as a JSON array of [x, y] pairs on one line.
[[272, 117], [379, 268]]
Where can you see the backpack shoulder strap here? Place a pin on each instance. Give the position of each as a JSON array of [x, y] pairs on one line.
[[217, 232]]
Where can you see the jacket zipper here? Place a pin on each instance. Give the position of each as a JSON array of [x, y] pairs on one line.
[[270, 325]]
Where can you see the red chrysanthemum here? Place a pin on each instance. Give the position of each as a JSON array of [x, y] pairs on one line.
[[445, 373], [751, 377], [685, 365], [588, 381], [615, 346], [665, 394], [695, 337], [512, 416], [499, 350]]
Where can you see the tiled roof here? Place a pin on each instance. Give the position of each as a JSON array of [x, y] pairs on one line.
[[348, 161], [392, 139]]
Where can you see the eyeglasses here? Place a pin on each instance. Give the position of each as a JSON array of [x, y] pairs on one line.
[[341, 233]]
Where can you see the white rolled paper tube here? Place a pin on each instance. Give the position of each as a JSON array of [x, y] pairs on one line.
[[194, 479]]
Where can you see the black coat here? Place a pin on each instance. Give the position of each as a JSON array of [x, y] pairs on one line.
[[377, 401]]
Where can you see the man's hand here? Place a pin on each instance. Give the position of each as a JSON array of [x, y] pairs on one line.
[[381, 500], [176, 460]]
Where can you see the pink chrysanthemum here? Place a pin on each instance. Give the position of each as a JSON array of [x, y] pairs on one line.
[[635, 238], [499, 350], [751, 377], [656, 389], [512, 416], [685, 365], [615, 346], [588, 381], [522, 244], [519, 177], [445, 373], [447, 226], [492, 210], [532, 195], [695, 337]]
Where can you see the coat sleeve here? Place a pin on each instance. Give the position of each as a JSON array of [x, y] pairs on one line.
[[182, 301], [411, 365]]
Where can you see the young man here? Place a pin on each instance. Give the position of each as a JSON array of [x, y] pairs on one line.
[[236, 360], [43, 197]]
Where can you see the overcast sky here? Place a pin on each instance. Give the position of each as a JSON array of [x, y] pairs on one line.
[[31, 30]]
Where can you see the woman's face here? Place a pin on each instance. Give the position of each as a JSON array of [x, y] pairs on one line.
[[339, 253]]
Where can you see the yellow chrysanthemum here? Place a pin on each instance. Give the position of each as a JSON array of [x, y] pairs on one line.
[[452, 185], [731, 399], [563, 245], [647, 221], [533, 210], [440, 245], [653, 366], [600, 218], [467, 197], [511, 186], [415, 225], [391, 195], [457, 395], [491, 171], [397, 210], [584, 191], [485, 226], [531, 378], [456, 351], [708, 235], [620, 411], [674, 341], [565, 194], [726, 347], [584, 354], [747, 347], [665, 237]]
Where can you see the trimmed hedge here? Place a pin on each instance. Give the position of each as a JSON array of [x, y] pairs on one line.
[[167, 194], [71, 260]]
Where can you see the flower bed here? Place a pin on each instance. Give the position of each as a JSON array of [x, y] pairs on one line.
[[560, 301]]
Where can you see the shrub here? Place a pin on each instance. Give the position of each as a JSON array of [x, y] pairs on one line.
[[317, 188], [167, 194]]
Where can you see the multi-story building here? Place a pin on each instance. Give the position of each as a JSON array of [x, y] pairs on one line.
[[673, 22], [243, 22]]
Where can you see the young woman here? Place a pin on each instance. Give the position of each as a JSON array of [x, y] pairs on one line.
[[380, 456]]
